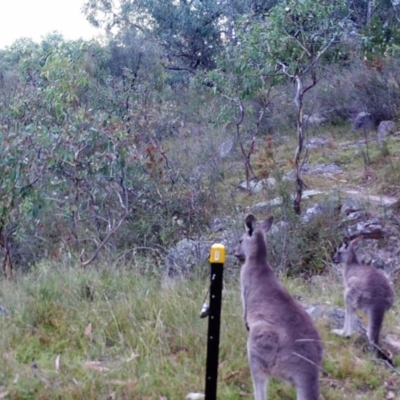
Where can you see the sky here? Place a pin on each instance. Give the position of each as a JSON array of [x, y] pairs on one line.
[[36, 18]]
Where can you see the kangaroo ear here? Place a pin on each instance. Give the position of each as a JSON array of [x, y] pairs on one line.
[[266, 225], [346, 241], [250, 224]]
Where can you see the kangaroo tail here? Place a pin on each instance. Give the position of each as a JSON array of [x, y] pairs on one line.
[[376, 316]]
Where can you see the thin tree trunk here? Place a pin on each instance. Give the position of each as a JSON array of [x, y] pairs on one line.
[[300, 140], [7, 262]]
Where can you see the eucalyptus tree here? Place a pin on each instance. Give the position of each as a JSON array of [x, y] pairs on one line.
[[21, 171], [191, 32], [364, 10], [297, 40], [290, 42]]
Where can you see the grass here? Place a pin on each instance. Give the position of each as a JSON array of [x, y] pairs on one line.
[[134, 337]]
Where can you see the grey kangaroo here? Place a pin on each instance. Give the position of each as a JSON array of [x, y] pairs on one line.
[[283, 341], [366, 289]]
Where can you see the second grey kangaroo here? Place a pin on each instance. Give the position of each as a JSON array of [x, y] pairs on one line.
[[283, 341], [366, 289]]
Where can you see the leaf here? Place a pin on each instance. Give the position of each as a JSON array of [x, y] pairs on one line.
[[88, 330], [132, 357], [57, 363], [195, 396], [51, 163], [117, 382], [96, 366]]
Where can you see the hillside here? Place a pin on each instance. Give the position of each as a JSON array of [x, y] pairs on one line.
[[118, 332], [123, 160]]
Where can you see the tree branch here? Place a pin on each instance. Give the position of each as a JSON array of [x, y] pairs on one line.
[[111, 231], [297, 41]]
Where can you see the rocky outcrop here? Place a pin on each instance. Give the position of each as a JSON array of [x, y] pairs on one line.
[[364, 121], [385, 128], [188, 254]]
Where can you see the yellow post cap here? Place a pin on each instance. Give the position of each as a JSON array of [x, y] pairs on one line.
[[217, 254]]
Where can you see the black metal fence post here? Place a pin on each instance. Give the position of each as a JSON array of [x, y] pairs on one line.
[[217, 260]]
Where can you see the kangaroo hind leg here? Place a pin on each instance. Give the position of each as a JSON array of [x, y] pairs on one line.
[[258, 371], [262, 349]]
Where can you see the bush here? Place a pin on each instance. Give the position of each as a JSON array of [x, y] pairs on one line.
[[363, 86]]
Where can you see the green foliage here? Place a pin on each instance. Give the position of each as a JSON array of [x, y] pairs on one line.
[[380, 39], [20, 198], [100, 128], [189, 32], [64, 79], [294, 35]]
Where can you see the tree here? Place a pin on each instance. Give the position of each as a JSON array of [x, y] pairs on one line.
[[192, 33], [20, 172], [291, 44], [243, 87]]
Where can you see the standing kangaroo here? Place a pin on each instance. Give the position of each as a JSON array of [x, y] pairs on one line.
[[283, 341], [366, 289]]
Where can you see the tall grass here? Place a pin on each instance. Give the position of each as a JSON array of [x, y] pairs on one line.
[[117, 334]]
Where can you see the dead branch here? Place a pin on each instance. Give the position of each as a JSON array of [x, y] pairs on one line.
[[111, 231]]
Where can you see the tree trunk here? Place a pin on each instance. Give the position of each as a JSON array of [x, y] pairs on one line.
[[369, 11], [7, 263], [300, 140]]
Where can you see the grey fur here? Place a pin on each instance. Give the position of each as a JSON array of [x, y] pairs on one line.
[[366, 289], [283, 341]]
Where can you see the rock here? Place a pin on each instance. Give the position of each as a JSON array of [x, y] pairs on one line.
[[257, 186], [364, 121], [4, 311], [313, 212], [218, 224], [252, 184], [267, 183], [326, 170], [385, 128], [185, 256], [357, 215], [225, 148], [378, 263], [278, 201], [334, 315], [393, 341], [350, 206], [390, 395], [313, 119], [371, 229], [318, 142]]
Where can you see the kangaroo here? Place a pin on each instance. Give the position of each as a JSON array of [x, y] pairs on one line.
[[283, 341], [366, 289]]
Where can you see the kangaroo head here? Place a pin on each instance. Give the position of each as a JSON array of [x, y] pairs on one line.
[[253, 240], [345, 252]]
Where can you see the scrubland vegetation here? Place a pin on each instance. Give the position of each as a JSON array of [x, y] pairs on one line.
[[112, 151]]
